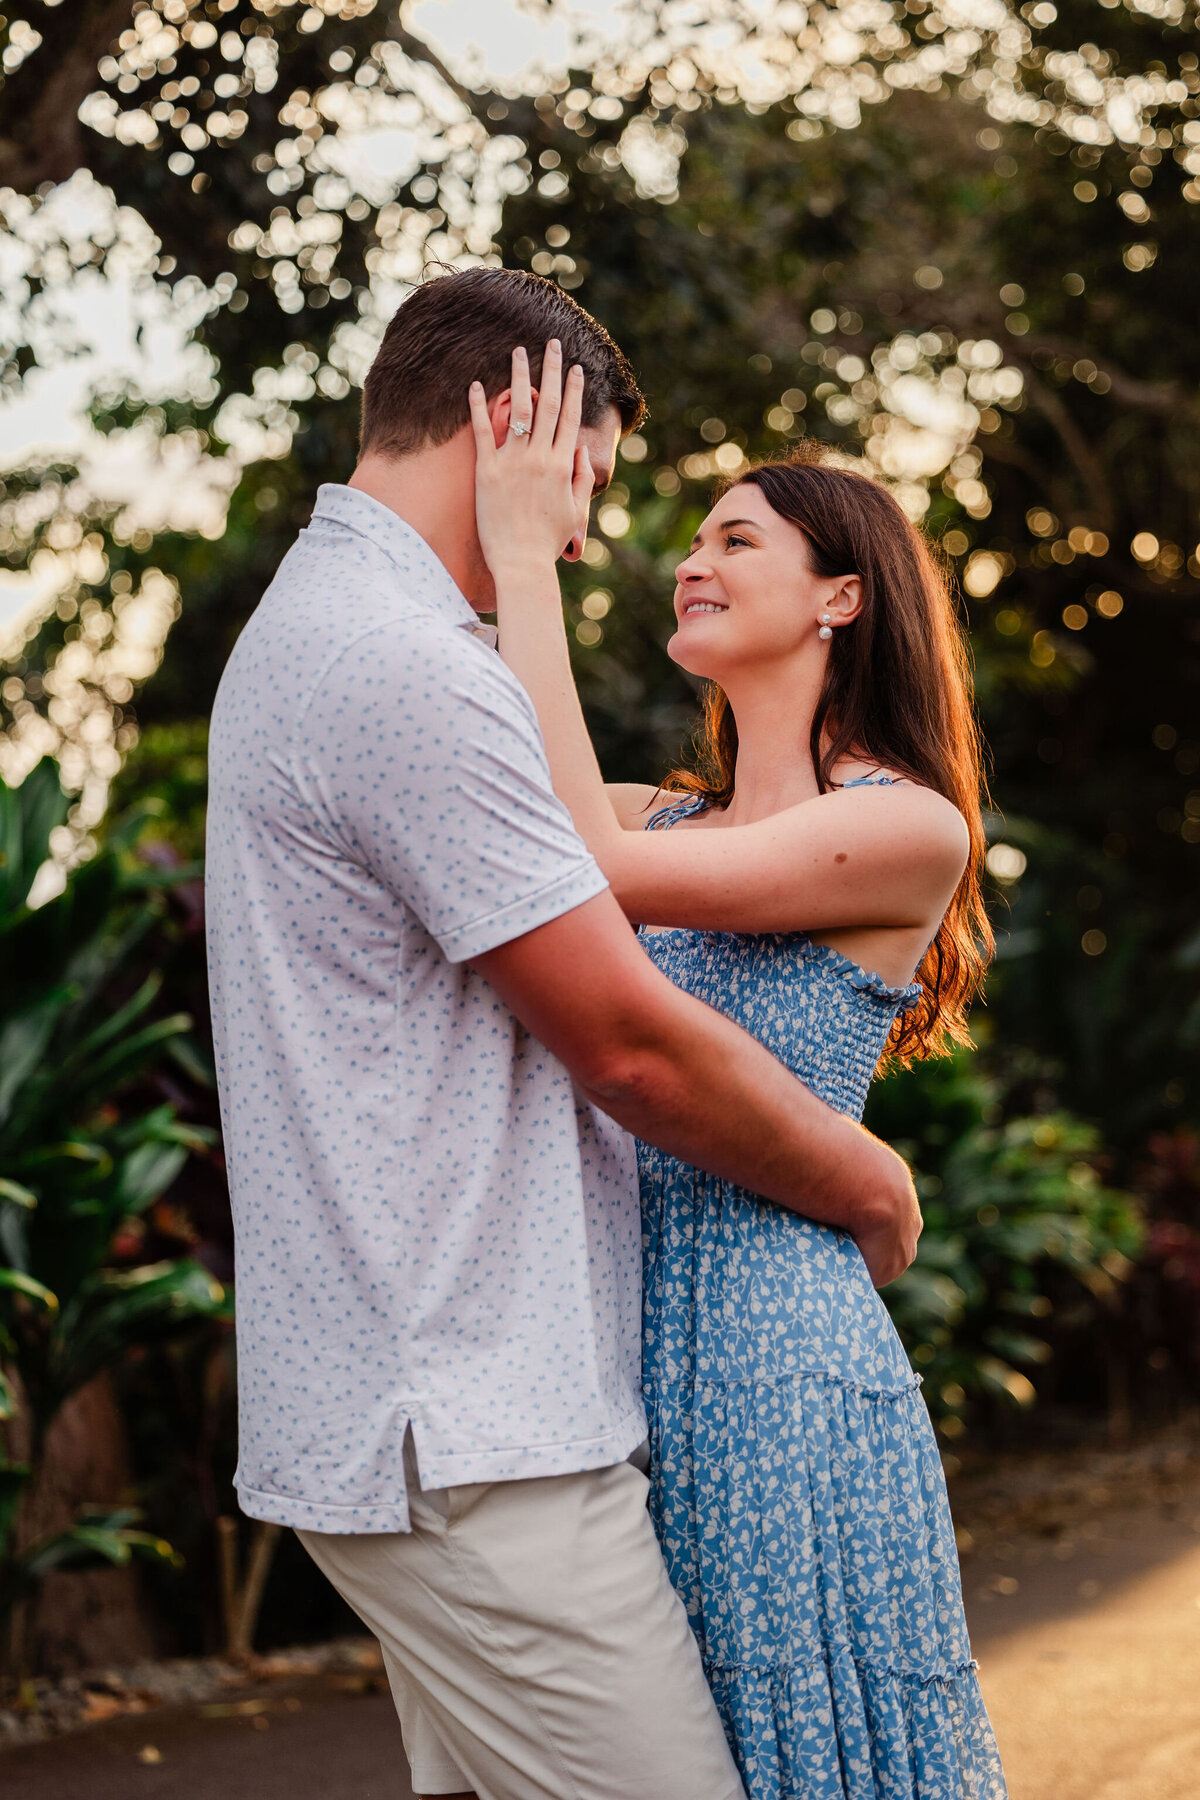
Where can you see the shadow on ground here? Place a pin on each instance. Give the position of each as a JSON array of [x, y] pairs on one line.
[[318, 1739]]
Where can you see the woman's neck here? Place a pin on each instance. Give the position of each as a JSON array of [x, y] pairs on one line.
[[774, 715]]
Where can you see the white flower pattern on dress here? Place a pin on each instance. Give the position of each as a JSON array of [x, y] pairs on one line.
[[796, 1486]]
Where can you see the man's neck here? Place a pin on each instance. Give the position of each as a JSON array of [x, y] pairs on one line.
[[433, 491]]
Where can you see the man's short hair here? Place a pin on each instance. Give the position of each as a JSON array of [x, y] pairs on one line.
[[463, 326]]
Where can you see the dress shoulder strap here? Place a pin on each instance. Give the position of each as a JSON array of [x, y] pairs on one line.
[[681, 808]]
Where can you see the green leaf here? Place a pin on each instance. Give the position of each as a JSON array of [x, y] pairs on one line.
[[94, 1538], [23, 1040], [16, 1194], [148, 1172], [28, 815], [128, 1058], [19, 1283], [114, 1310], [117, 1022], [196, 1063], [71, 1150]]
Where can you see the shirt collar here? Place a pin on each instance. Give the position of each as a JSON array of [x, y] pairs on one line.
[[426, 578]]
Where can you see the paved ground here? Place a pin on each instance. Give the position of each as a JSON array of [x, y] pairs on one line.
[[1091, 1666], [1085, 1615]]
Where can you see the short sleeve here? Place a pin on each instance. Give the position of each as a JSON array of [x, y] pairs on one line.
[[422, 753]]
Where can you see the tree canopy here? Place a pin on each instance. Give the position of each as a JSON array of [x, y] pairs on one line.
[[952, 238]]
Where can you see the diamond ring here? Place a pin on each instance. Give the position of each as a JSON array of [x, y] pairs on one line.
[[518, 429]]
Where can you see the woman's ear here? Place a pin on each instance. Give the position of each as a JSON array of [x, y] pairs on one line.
[[846, 601]]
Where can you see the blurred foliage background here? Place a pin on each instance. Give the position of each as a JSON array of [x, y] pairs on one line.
[[949, 237]]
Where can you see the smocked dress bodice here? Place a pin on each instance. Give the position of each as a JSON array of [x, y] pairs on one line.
[[813, 1008]]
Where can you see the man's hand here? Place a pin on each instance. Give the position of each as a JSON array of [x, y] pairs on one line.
[[889, 1247], [656, 1059]]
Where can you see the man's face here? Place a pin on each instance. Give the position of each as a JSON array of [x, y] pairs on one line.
[[599, 444]]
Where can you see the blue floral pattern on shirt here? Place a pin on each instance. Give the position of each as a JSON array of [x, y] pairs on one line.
[[796, 1486]]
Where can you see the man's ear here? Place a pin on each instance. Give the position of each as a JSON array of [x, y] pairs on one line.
[[500, 413]]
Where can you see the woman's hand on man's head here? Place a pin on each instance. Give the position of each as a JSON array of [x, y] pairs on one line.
[[533, 479]]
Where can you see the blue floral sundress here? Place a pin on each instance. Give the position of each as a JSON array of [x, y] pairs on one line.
[[796, 1486]]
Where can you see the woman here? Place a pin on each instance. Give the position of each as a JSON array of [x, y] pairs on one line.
[[817, 880]]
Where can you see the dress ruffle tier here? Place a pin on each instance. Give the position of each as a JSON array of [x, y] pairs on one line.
[[805, 1524]]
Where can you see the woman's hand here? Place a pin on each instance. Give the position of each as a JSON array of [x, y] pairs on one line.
[[532, 490], [532, 493]]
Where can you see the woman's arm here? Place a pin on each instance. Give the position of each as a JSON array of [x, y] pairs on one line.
[[869, 856], [533, 642], [875, 856], [531, 491]]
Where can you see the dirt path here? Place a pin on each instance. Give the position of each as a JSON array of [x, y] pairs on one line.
[[1084, 1602], [1091, 1665], [316, 1739]]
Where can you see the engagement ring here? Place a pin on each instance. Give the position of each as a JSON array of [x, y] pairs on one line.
[[517, 429]]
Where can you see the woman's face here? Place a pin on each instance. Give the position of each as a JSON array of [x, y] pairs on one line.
[[747, 594]]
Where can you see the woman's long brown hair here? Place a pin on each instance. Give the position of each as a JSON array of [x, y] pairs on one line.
[[897, 692]]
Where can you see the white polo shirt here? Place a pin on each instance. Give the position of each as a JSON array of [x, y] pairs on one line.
[[432, 1228]]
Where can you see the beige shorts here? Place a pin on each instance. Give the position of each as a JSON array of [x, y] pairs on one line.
[[534, 1644]]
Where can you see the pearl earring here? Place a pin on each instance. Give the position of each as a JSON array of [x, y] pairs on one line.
[[826, 630]]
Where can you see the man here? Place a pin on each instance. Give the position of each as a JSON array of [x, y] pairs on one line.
[[429, 1013]]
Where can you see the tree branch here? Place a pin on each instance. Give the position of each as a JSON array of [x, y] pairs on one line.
[[1088, 465], [1154, 396]]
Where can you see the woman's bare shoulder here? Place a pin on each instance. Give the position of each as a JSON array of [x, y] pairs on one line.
[[926, 822], [635, 802]]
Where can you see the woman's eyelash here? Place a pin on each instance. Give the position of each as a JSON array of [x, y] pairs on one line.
[[733, 538]]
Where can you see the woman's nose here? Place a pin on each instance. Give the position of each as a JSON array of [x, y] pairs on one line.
[[690, 569]]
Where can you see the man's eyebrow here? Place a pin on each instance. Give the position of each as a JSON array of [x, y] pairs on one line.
[[726, 525]]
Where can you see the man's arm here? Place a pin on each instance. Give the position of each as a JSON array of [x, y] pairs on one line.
[[678, 1074]]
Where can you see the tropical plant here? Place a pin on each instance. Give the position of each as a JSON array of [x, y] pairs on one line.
[[78, 1162], [1023, 1240]]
